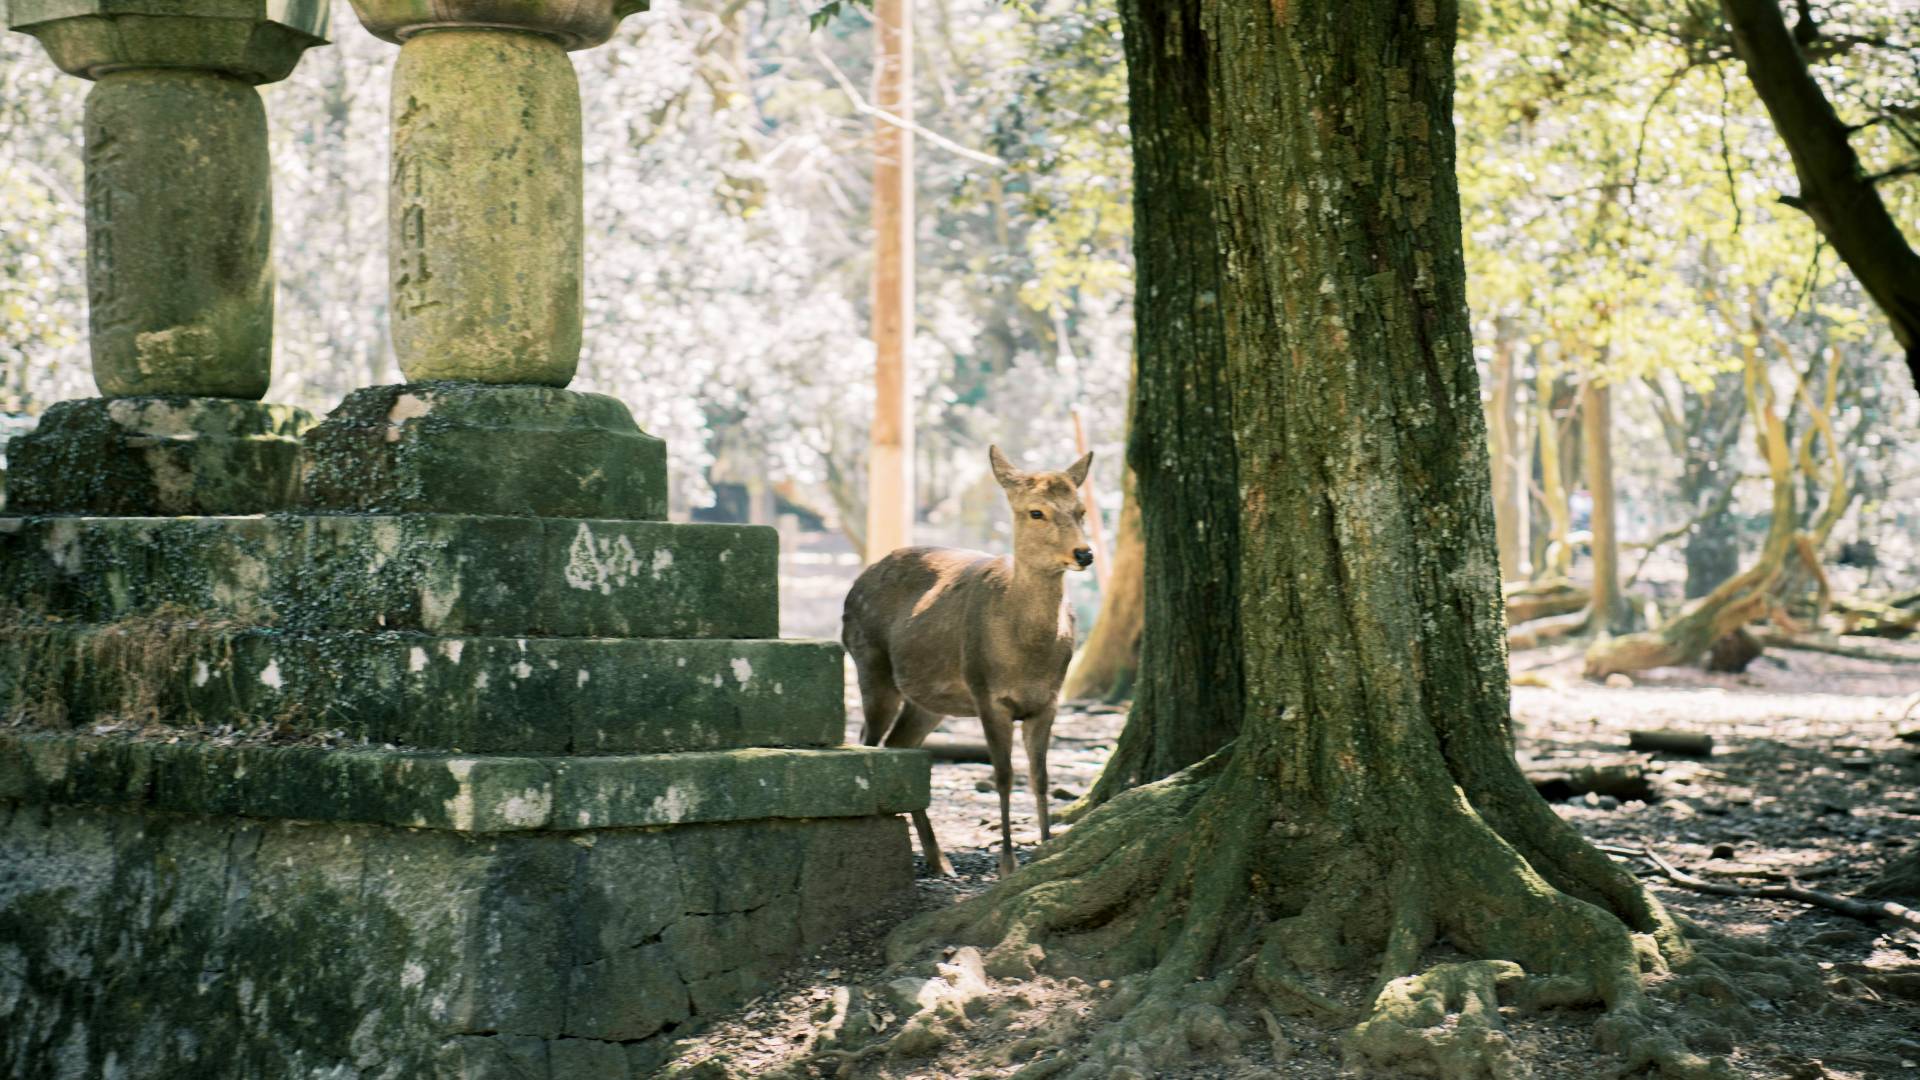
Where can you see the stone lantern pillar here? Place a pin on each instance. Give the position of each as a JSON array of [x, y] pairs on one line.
[[484, 211], [179, 258]]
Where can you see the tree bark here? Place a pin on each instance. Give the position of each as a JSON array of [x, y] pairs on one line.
[[1596, 430], [1180, 436], [1370, 805], [1834, 190], [1503, 437], [1109, 663]]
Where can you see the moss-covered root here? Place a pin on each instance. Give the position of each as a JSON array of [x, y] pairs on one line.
[[1444, 1022]]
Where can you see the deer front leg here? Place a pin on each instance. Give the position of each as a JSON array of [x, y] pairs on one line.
[[1038, 732], [997, 725]]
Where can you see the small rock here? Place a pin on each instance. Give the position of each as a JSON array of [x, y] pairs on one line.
[[921, 1036], [1618, 681], [983, 785], [1829, 938], [1064, 795], [1722, 851]]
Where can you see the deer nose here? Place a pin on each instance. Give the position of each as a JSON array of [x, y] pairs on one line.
[[1083, 556]]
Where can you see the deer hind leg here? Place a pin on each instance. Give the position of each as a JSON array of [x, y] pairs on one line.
[[1037, 730], [880, 699], [998, 728], [912, 729]]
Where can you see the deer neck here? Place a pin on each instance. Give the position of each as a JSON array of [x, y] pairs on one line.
[[1033, 601]]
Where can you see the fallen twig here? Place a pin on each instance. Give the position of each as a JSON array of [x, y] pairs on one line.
[[1866, 910]]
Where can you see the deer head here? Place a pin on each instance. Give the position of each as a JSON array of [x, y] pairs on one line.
[[1047, 514]]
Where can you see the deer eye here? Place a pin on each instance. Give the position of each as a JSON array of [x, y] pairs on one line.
[[1036, 515]]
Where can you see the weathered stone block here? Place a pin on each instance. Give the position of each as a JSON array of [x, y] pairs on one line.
[[473, 794], [145, 945], [441, 574], [484, 695], [156, 456], [467, 448], [258, 41]]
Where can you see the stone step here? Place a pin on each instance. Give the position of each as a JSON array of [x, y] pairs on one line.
[[477, 694], [461, 793], [437, 573]]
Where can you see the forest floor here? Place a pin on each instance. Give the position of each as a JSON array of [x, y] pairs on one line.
[[1808, 775]]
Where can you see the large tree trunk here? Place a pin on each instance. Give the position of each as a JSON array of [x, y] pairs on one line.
[[1107, 665], [1180, 437], [1371, 805]]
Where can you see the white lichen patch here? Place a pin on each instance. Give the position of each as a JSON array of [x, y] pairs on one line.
[[521, 670], [861, 783], [662, 560], [528, 809], [437, 601], [405, 407], [201, 673], [674, 806], [459, 809], [742, 670], [600, 563], [270, 675], [480, 681], [452, 649], [412, 975], [63, 545], [582, 677], [417, 659]]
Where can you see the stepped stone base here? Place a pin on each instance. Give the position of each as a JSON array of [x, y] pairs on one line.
[[458, 764], [190, 909], [157, 455], [138, 945], [439, 573]]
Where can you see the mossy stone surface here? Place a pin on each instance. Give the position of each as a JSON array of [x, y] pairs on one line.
[[484, 207], [435, 573], [466, 793], [467, 448], [145, 945], [481, 694], [157, 456]]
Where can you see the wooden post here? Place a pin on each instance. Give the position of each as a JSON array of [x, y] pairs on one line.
[[890, 501]]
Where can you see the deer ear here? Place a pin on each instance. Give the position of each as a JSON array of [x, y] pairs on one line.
[[1002, 471], [1077, 472]]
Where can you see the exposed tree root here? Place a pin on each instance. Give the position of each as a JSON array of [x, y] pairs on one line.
[[1154, 889]]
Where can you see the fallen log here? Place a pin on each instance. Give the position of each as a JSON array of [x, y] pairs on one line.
[[1866, 618], [1538, 600], [1671, 741], [1621, 780], [1824, 644]]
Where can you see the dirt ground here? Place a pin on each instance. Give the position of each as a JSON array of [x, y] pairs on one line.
[[1808, 776]]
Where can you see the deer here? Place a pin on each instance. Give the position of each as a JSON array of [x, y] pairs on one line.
[[939, 632]]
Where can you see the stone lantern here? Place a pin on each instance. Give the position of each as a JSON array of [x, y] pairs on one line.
[[180, 275]]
